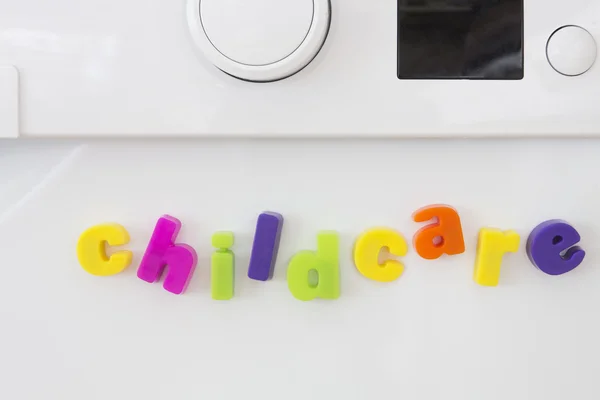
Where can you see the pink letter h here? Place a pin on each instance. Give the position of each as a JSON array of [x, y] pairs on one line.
[[163, 252]]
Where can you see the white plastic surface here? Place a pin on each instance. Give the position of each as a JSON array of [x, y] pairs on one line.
[[256, 32], [571, 50], [130, 68], [9, 102], [433, 334]]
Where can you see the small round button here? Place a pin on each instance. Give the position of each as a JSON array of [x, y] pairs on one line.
[[571, 50], [259, 40]]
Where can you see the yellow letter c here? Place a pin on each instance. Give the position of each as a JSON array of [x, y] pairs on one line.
[[91, 250], [368, 247]]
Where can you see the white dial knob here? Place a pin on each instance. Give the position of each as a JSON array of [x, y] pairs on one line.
[[571, 50], [259, 40]]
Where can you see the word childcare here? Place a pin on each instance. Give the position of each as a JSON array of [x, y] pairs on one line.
[[551, 247]]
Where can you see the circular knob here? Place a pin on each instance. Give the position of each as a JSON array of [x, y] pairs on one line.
[[259, 40], [571, 50]]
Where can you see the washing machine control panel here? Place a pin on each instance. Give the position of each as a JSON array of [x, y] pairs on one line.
[[299, 68]]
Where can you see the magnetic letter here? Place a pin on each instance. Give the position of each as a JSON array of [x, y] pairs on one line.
[[367, 250], [491, 247], [551, 247], [266, 244], [162, 251], [91, 250], [324, 263], [443, 236], [222, 266]]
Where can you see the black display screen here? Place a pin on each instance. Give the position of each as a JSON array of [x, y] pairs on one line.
[[460, 39]]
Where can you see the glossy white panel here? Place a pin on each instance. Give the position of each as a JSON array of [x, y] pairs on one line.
[[121, 68], [433, 334]]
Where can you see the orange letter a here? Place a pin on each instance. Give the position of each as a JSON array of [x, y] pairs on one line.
[[443, 236]]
